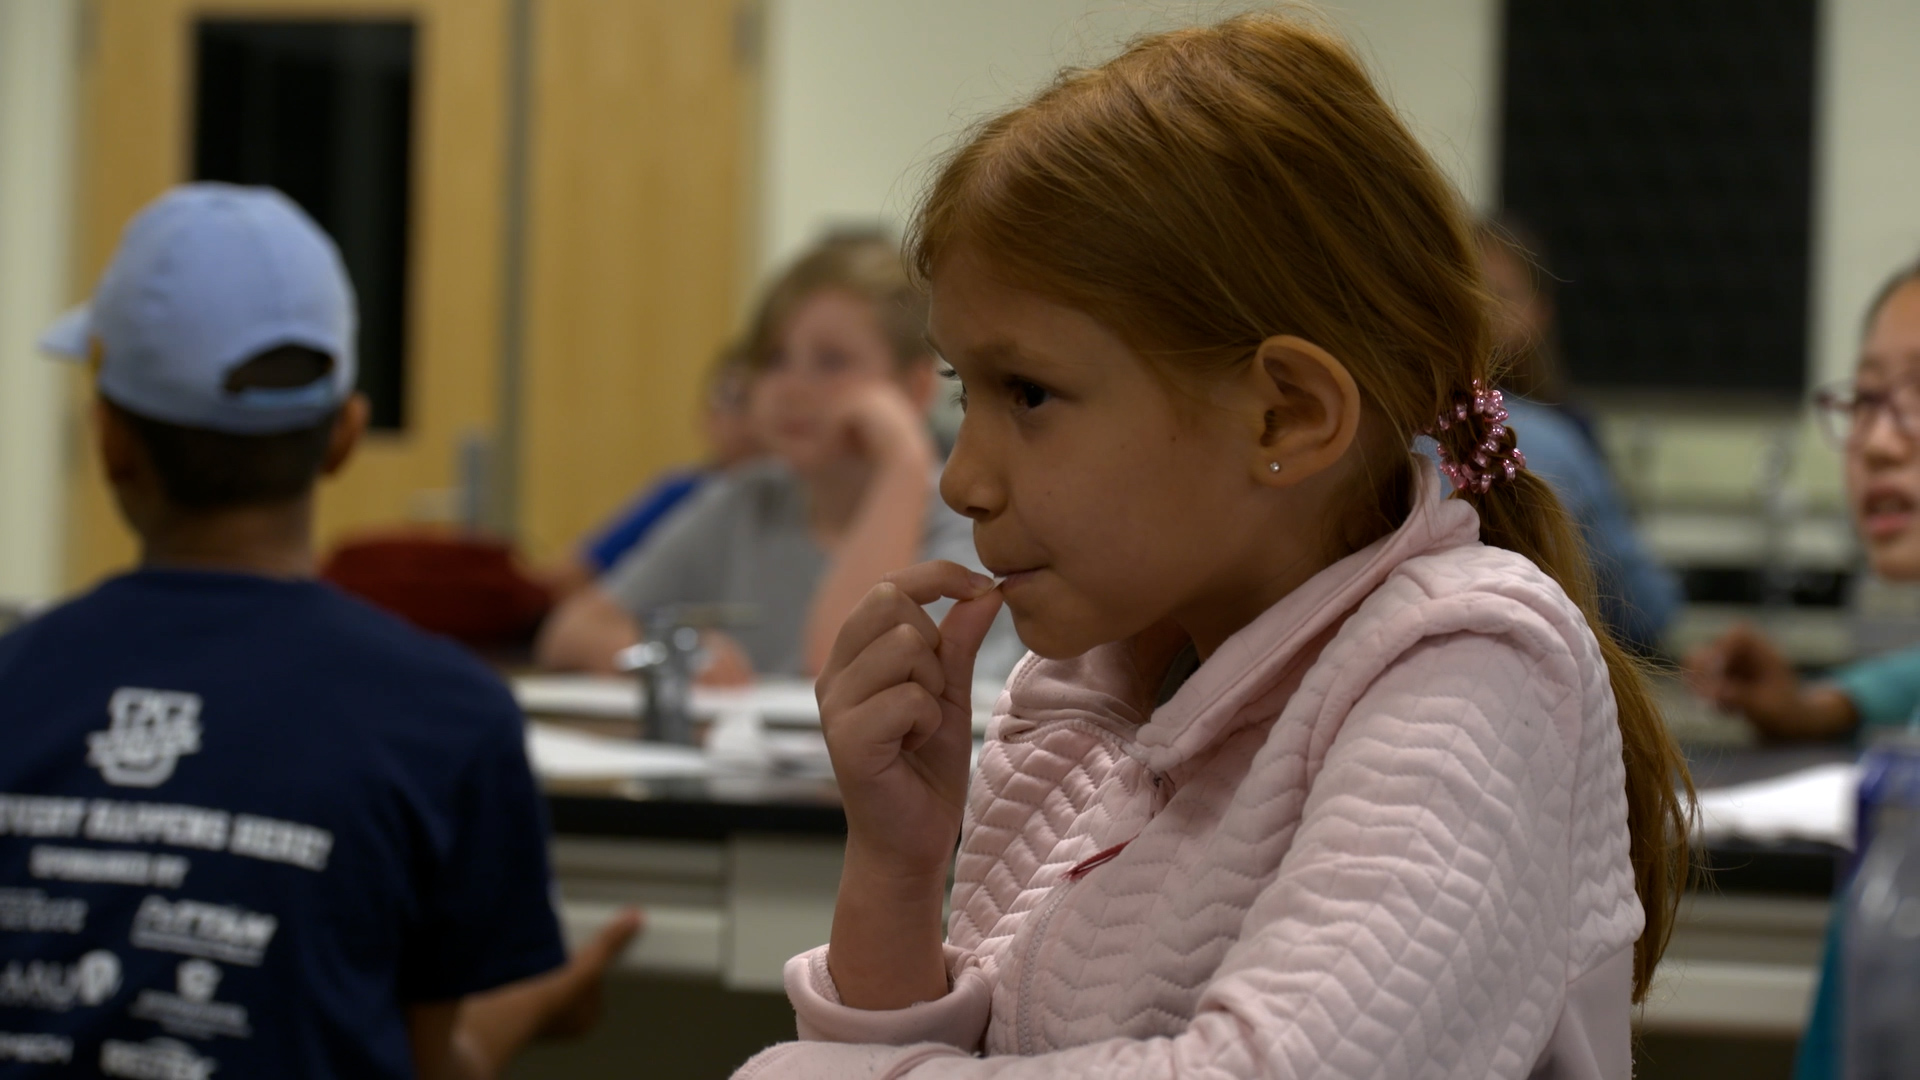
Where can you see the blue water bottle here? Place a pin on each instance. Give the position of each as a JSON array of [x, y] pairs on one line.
[[1881, 1001]]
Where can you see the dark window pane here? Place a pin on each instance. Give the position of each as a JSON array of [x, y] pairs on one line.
[[324, 112], [1663, 150]]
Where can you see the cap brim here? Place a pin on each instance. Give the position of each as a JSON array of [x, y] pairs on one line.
[[71, 335]]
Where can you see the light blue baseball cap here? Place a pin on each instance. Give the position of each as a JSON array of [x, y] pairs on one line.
[[207, 277]]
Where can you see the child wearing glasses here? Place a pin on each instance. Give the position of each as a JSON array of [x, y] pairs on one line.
[[1876, 420]]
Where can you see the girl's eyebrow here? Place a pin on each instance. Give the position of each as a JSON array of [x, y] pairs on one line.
[[1906, 362], [992, 352]]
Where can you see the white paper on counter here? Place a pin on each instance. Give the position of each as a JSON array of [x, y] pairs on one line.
[[781, 701], [606, 697], [560, 753], [1812, 804]]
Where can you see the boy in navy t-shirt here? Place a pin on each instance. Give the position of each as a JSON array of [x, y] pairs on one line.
[[250, 827]]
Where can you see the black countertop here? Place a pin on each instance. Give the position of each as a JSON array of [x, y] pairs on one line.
[[716, 808], [1788, 867], [698, 809]]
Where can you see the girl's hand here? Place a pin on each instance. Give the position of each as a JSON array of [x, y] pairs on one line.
[[1743, 672], [896, 704]]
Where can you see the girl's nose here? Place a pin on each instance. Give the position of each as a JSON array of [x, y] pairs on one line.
[[1885, 439], [970, 483]]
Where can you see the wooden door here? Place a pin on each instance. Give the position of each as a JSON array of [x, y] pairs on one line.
[[138, 79], [639, 245]]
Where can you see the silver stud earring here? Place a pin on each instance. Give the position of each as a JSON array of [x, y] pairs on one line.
[[1273, 466]]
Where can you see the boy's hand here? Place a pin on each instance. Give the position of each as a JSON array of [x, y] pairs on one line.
[[492, 1027], [1743, 672], [896, 705], [578, 988]]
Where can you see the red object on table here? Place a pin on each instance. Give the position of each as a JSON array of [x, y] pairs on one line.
[[471, 589]]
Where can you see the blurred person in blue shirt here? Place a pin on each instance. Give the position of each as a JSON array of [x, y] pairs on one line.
[[731, 440], [1638, 597]]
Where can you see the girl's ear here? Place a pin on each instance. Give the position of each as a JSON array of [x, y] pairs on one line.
[[1309, 410]]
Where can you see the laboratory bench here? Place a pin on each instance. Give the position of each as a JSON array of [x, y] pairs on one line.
[[738, 873]]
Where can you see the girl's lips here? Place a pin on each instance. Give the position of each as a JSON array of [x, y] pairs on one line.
[[1886, 512], [1017, 578], [1886, 524]]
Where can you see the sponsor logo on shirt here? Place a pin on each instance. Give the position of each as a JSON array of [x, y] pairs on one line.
[[34, 912], [110, 867], [41, 815], [290, 842], [148, 732], [190, 1009], [199, 827], [197, 980], [217, 932], [36, 1049], [57, 987], [155, 1059]]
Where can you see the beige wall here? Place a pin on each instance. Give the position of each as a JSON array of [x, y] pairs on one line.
[[862, 95], [1867, 201], [38, 60], [1866, 223]]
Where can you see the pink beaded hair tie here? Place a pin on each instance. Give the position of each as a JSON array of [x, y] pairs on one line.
[[1494, 456]]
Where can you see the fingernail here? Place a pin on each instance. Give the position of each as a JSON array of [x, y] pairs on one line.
[[981, 583]]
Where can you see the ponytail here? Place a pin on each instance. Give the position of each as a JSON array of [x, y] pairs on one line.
[[1524, 516]]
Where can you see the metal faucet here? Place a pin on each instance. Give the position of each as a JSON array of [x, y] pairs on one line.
[[1780, 507], [667, 662]]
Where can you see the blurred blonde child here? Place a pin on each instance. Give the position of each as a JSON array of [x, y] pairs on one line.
[[842, 379], [731, 441]]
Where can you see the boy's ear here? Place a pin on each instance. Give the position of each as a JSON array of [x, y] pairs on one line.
[[1309, 410], [348, 425], [121, 454]]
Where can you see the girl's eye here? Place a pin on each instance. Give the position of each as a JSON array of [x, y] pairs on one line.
[[1029, 395], [959, 388]]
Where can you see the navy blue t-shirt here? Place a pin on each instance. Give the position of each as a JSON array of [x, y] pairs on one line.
[[243, 823]]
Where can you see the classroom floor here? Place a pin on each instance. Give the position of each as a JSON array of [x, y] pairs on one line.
[[665, 1029]]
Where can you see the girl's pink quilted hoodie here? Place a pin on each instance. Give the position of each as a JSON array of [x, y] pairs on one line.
[[1381, 832]]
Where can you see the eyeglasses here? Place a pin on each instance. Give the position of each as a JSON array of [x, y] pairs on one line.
[[1848, 412]]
